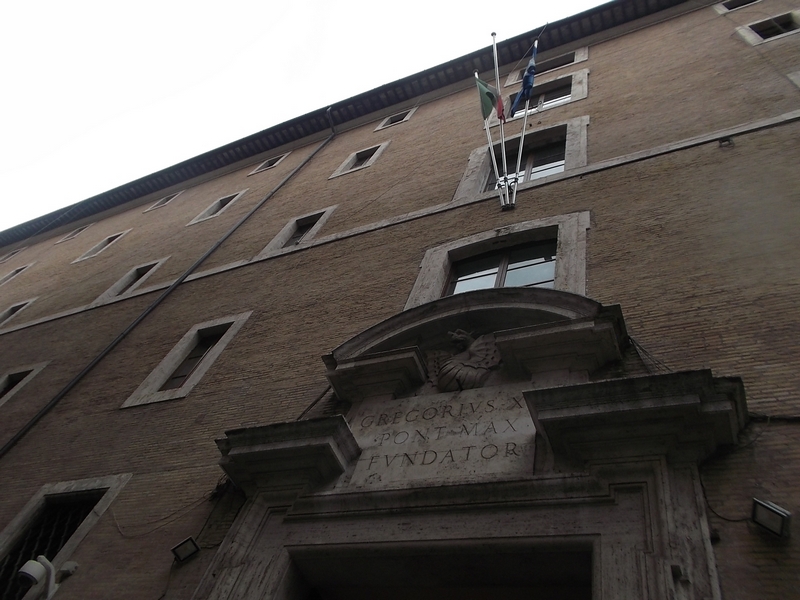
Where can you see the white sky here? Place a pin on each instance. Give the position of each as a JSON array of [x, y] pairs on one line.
[[98, 93]]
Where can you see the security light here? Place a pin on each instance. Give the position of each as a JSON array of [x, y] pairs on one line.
[[185, 550], [771, 517]]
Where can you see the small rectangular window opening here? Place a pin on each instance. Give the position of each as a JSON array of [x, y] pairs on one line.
[[55, 523], [733, 4], [207, 339], [102, 245], [302, 227], [73, 234], [11, 254], [164, 201], [136, 276], [546, 99], [11, 311], [11, 382], [775, 26], [269, 163], [361, 158], [12, 274]]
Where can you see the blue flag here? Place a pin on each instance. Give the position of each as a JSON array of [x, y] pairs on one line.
[[527, 82]]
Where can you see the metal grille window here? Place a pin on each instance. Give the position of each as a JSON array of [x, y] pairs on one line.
[[58, 519], [537, 162], [532, 265], [208, 338]]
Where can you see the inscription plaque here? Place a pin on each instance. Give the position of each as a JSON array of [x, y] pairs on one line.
[[466, 436]]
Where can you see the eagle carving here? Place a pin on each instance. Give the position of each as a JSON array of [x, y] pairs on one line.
[[469, 368]]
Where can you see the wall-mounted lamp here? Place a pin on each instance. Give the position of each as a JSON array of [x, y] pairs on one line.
[[185, 550], [771, 517]]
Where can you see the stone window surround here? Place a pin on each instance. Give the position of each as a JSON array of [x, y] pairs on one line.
[[148, 392], [579, 91], [721, 9], [205, 216], [34, 369], [7, 314], [163, 201], [11, 254], [74, 233], [275, 247], [479, 164], [569, 229], [581, 55], [345, 167], [114, 290], [752, 38], [261, 168], [385, 124], [15, 272], [94, 251], [113, 484]]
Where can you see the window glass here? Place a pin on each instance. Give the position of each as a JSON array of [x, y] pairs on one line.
[[532, 265]]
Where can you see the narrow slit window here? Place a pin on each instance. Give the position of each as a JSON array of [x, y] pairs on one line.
[[163, 201], [217, 207], [12, 310], [74, 233], [98, 248], [11, 255], [135, 277], [207, 339], [11, 381], [268, 164], [9, 276]]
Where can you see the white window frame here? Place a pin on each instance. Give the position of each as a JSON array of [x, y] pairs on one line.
[[7, 315], [14, 273], [213, 210], [722, 9], [102, 246], [161, 202], [515, 77], [11, 254], [385, 124], [347, 166], [570, 273], [751, 37], [113, 485], [148, 392], [114, 291], [74, 233], [579, 90], [277, 160], [275, 246], [34, 369]]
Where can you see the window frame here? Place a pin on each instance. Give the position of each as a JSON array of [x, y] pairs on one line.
[[99, 247], [261, 168], [722, 9], [112, 484], [7, 315], [278, 244], [579, 90], [149, 391], [754, 39], [114, 291], [515, 75], [74, 233], [162, 202], [347, 166], [570, 271], [205, 216], [34, 369], [13, 273], [384, 124]]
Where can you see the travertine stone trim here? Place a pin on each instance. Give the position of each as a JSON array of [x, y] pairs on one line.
[[795, 78], [569, 229], [148, 392], [125, 280], [113, 484], [34, 371], [346, 166], [275, 247]]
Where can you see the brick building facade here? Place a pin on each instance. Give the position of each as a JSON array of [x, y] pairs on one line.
[[601, 433]]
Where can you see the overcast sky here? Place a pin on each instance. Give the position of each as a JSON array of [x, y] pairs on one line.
[[99, 93]]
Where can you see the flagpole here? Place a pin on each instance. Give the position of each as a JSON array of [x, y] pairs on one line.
[[505, 203], [503, 200], [525, 118]]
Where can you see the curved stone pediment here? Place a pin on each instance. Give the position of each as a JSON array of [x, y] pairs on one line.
[[458, 342]]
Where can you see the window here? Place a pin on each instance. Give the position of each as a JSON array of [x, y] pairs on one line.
[[557, 92], [396, 119], [734, 4], [184, 366], [164, 201], [9, 276], [132, 280], [268, 164], [53, 523], [74, 233], [360, 160], [770, 29], [297, 231], [13, 310], [14, 380], [11, 254], [98, 248], [217, 207], [538, 161], [550, 64], [518, 254], [532, 265]]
